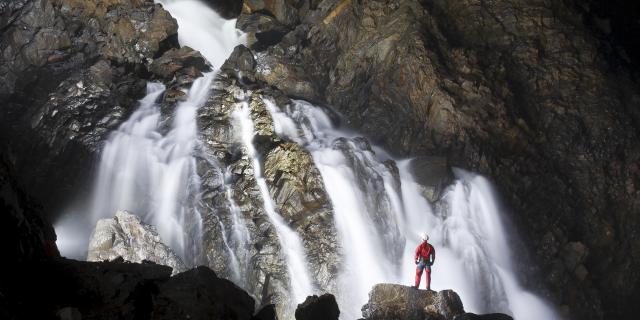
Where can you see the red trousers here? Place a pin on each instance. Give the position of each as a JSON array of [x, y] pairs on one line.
[[427, 275]]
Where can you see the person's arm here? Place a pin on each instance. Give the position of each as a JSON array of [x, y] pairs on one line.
[[433, 255], [415, 258]]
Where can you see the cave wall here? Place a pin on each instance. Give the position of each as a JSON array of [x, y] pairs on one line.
[[524, 92]]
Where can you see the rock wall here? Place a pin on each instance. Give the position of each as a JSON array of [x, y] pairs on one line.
[[521, 91], [70, 72], [294, 185]]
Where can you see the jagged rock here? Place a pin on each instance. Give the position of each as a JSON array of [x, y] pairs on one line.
[[127, 237], [433, 174], [241, 61], [185, 64], [323, 307], [297, 188], [397, 302], [70, 71]]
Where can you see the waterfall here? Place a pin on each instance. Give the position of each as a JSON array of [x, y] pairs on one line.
[[148, 166], [149, 169], [379, 217], [290, 242]]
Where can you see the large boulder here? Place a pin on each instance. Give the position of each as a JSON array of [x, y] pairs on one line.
[[397, 302], [518, 90], [126, 236]]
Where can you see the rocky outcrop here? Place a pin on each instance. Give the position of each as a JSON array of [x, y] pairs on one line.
[[118, 290], [126, 236], [323, 307], [392, 301], [520, 91], [240, 224], [70, 72]]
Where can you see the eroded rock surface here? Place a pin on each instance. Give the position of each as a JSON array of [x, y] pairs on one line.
[[126, 236], [521, 91], [392, 301]]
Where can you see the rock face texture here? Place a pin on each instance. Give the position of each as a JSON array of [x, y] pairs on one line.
[[240, 222], [392, 301], [70, 72], [126, 236], [521, 91]]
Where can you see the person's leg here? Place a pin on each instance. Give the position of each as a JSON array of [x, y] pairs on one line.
[[427, 277], [419, 269]]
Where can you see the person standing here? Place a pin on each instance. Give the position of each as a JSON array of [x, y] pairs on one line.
[[424, 258]]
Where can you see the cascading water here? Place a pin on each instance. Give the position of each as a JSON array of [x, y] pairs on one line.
[[473, 256], [290, 242], [151, 171]]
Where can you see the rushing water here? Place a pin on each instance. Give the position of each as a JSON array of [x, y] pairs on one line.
[[379, 218], [149, 169], [290, 242]]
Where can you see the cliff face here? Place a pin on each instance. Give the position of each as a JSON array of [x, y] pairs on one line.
[[70, 72], [519, 90]]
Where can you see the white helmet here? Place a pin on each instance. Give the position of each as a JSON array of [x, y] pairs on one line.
[[424, 236]]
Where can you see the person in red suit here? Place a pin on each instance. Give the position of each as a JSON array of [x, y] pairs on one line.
[[424, 258]]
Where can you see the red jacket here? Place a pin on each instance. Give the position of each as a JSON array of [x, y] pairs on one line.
[[425, 251]]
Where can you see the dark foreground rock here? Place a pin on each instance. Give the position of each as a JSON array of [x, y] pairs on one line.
[[392, 301], [120, 290], [323, 307]]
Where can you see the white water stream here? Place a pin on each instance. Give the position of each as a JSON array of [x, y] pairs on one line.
[[290, 242], [379, 223], [148, 167]]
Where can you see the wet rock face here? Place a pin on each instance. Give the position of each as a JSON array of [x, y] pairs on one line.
[[293, 183], [70, 72], [126, 236], [517, 90]]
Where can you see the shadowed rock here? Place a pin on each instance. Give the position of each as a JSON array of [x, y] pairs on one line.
[[323, 307]]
